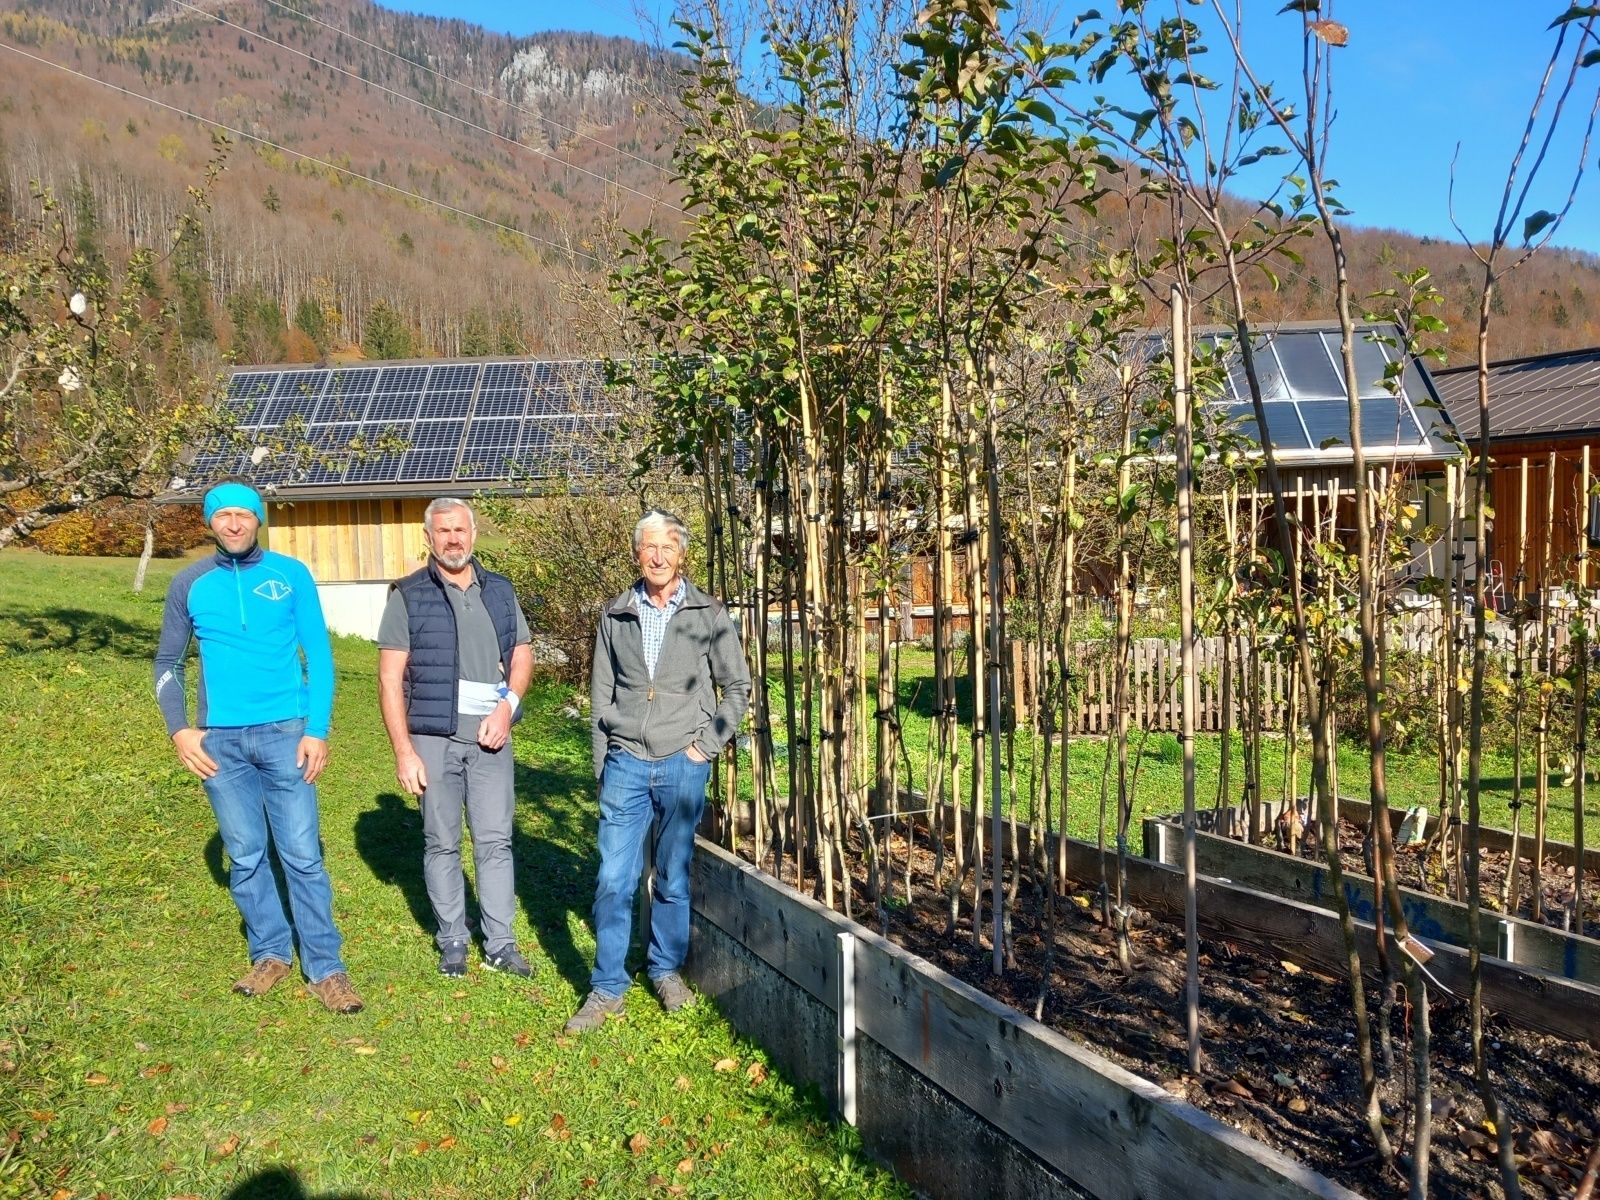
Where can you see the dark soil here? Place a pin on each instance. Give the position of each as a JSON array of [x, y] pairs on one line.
[[1420, 867], [1279, 1044]]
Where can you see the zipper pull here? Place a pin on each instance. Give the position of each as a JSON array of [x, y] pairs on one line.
[[650, 695]]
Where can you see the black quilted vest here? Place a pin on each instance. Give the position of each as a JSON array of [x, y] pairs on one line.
[[433, 668]]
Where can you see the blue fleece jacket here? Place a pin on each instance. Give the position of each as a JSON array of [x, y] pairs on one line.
[[256, 617]]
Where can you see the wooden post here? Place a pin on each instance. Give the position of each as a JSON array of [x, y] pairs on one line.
[[1541, 796], [1185, 447]]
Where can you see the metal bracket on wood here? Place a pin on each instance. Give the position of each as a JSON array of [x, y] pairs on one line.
[[847, 1028]]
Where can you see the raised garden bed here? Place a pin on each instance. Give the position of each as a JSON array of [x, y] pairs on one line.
[[961, 1094], [1275, 1023]]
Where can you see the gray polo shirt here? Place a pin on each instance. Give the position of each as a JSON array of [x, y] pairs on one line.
[[477, 647]]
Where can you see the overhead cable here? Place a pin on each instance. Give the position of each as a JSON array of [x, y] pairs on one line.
[[311, 158]]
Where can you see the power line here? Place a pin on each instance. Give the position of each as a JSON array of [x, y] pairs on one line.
[[423, 104], [305, 16], [251, 137]]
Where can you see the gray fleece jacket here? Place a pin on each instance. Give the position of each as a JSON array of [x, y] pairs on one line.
[[656, 718]]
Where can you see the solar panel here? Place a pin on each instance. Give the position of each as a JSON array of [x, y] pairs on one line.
[[401, 380], [461, 421], [416, 465], [436, 405], [390, 407], [437, 435], [504, 390], [489, 445], [346, 396], [377, 468]]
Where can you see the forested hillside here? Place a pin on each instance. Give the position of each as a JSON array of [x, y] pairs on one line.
[[384, 137], [546, 139]]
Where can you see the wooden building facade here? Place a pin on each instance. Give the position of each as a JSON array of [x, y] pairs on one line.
[[1544, 439]]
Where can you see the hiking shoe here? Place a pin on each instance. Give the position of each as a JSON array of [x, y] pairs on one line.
[[508, 959], [453, 960], [596, 1008], [336, 994], [673, 992], [262, 977]]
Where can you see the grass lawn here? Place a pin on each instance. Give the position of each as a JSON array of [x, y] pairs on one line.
[[128, 1070], [1413, 779]]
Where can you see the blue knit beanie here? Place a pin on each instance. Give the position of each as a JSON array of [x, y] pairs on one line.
[[234, 495]]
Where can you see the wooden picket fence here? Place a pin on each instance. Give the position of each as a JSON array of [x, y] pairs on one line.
[[1153, 687]]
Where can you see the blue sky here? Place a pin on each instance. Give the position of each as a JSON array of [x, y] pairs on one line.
[[1418, 77]]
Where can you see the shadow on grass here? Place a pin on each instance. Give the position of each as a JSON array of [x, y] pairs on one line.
[[280, 1183], [74, 629], [552, 881]]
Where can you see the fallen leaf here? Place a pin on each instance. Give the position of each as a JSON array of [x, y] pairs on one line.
[[43, 1115], [158, 1069], [1331, 32], [756, 1073], [666, 1121], [96, 1079], [557, 1121], [1473, 1140], [589, 1181], [682, 1083], [1234, 1088], [685, 1166], [61, 1194], [522, 1040], [174, 1109], [422, 1147], [157, 1127], [1292, 968], [726, 1064], [499, 1064], [447, 1143], [226, 1148], [366, 1049], [1297, 1105], [1551, 1145], [514, 1120], [638, 1143]]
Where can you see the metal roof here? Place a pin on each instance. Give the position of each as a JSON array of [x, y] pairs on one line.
[[1552, 395]]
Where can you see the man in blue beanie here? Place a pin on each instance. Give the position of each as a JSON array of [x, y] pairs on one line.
[[260, 736]]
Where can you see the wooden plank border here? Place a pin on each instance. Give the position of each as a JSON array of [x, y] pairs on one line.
[[1310, 936], [1436, 918], [1360, 812], [1116, 1135]]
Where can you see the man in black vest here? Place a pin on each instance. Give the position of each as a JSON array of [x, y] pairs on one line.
[[453, 662]]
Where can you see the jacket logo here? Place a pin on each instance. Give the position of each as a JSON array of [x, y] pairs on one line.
[[274, 589]]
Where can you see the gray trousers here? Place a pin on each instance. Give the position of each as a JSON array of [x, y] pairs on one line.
[[465, 775]]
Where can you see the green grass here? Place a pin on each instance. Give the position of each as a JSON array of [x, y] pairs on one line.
[[1413, 779], [127, 1068]]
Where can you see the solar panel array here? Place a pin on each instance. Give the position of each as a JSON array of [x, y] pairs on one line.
[[1301, 373], [431, 423]]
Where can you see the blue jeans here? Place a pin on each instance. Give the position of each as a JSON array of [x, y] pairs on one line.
[[664, 799], [258, 790]]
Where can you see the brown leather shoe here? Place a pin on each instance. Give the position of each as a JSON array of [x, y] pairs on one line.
[[262, 977], [336, 993]]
